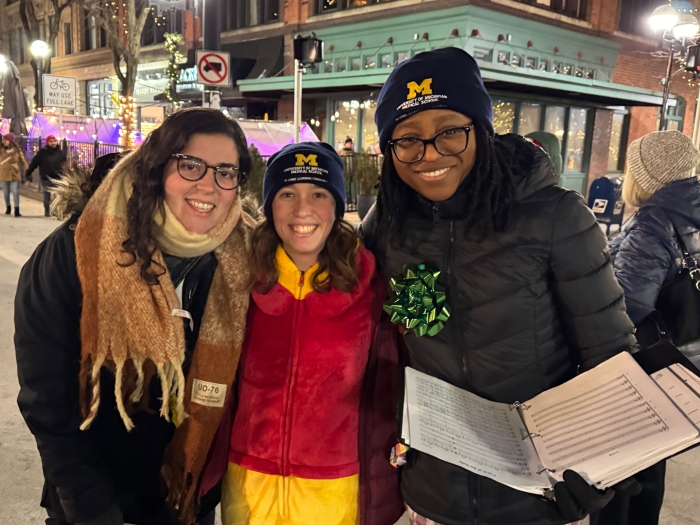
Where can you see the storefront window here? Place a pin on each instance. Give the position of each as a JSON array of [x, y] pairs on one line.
[[616, 135], [370, 137], [340, 65], [554, 119], [530, 118], [345, 120], [355, 64], [576, 139], [370, 62], [385, 60], [354, 119], [100, 100], [503, 116]]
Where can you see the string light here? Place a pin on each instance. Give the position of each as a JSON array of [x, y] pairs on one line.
[[127, 133], [172, 41]]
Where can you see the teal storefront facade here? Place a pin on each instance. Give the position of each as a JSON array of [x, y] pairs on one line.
[[540, 77]]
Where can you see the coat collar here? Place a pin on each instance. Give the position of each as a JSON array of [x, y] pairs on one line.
[[320, 305]]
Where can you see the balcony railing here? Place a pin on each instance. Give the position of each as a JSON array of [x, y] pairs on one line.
[[572, 8]]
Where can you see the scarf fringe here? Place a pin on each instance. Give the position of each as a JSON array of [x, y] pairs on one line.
[[95, 396], [173, 384], [138, 390], [118, 382]]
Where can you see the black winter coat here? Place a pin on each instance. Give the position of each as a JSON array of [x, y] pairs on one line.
[[646, 252], [88, 471], [49, 161], [530, 308]]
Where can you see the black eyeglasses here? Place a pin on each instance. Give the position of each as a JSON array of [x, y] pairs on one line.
[[452, 141], [227, 176]]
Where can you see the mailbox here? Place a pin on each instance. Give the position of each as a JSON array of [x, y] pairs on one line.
[[605, 200]]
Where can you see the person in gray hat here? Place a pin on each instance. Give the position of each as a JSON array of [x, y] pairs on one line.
[[661, 182]]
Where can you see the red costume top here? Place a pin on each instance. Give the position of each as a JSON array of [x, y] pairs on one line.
[[301, 376]]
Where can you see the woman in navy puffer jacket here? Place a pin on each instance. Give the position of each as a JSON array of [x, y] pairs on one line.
[[661, 182]]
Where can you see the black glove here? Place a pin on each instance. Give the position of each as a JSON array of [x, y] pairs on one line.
[[112, 516], [576, 499]]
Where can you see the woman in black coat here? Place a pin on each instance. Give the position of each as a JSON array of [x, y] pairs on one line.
[[527, 275]]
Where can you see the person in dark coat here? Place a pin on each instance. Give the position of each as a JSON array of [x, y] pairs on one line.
[[141, 295], [50, 160], [661, 182], [524, 265]]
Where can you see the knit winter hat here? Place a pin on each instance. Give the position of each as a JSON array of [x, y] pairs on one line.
[[662, 157], [551, 145], [306, 162], [446, 78], [9, 136]]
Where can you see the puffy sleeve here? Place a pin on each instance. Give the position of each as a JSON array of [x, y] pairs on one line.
[[642, 262], [590, 301]]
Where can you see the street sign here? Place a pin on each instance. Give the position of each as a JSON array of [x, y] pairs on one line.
[[59, 92], [213, 68]]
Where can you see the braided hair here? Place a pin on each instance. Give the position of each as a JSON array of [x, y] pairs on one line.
[[501, 162]]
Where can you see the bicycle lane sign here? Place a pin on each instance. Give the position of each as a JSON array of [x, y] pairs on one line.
[[213, 68], [59, 92]]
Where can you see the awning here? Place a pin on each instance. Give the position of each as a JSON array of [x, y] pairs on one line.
[[496, 77]]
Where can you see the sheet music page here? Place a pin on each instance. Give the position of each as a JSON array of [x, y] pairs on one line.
[[605, 421], [481, 436], [687, 377], [679, 392]]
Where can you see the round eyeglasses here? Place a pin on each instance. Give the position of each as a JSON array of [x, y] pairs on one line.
[[452, 141], [227, 176]]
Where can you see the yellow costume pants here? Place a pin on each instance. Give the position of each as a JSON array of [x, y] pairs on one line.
[[252, 498]]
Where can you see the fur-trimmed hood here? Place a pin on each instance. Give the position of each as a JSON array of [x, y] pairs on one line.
[[70, 195]]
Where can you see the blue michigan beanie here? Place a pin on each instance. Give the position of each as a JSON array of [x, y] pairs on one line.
[[306, 162], [447, 78]]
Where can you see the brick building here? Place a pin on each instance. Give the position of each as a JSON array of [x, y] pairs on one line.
[[586, 70]]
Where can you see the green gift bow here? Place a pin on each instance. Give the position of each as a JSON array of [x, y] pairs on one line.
[[419, 303]]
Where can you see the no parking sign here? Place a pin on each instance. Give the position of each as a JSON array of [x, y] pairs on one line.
[[213, 68]]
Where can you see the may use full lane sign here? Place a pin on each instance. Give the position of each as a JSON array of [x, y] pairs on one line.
[[59, 92]]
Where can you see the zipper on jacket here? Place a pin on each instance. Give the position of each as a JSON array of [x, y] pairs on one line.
[[287, 424], [473, 478]]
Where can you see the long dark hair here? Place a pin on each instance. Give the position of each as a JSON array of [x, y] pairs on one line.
[[499, 166], [148, 163], [337, 258]]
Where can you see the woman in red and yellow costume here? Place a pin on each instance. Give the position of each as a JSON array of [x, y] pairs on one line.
[[314, 421]]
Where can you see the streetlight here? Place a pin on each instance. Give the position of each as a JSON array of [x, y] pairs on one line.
[[676, 29], [40, 50]]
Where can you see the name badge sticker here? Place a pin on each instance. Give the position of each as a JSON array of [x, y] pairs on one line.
[[208, 394]]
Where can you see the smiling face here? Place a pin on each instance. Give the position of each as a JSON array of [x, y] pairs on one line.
[[201, 205], [435, 176], [303, 215]]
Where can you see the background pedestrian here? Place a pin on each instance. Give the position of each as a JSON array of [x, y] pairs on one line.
[[50, 160], [12, 165]]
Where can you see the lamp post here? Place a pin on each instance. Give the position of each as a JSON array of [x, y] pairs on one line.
[[40, 50], [677, 28]]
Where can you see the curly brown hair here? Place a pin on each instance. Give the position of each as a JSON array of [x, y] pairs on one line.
[[337, 259], [148, 163]]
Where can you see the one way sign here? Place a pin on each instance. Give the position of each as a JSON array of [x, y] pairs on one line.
[[213, 68]]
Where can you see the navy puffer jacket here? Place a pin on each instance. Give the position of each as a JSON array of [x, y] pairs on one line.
[[646, 253]]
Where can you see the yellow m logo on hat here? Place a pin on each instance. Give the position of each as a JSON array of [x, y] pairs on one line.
[[307, 160], [424, 88]]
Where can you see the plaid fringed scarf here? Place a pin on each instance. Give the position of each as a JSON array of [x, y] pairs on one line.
[[128, 325]]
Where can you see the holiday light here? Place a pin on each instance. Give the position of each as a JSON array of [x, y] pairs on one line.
[[172, 41]]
